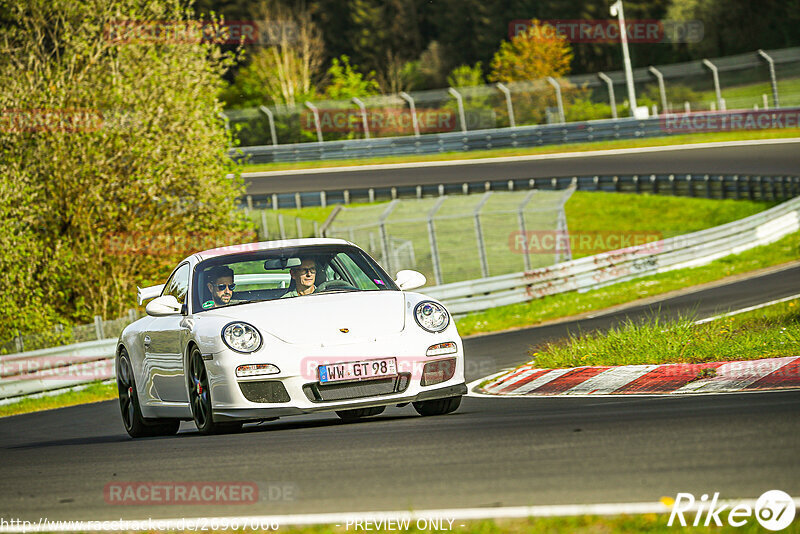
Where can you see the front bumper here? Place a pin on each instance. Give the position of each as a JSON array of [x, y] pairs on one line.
[[231, 414]]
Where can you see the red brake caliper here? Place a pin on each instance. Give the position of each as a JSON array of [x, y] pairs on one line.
[[130, 391]]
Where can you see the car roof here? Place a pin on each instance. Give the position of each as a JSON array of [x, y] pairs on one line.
[[267, 245]]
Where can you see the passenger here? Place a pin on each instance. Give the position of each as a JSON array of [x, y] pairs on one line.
[[220, 284], [304, 277]]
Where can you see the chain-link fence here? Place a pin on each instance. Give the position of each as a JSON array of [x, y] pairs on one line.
[[66, 335], [455, 238], [744, 81]]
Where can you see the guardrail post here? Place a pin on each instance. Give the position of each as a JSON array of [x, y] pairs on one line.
[[323, 199], [722, 191], [98, 327], [751, 194], [441, 190], [274, 201], [509, 107], [249, 202], [690, 185], [465, 188], [559, 101], [707, 180], [762, 194], [615, 181], [672, 186], [266, 111], [297, 201], [772, 189], [357, 101], [419, 191], [315, 111], [611, 98], [526, 257], [437, 268], [346, 195], [394, 193], [511, 185], [661, 89], [371, 193], [654, 184], [636, 183], [264, 228], [479, 234], [715, 73], [281, 226], [414, 123], [737, 193], [596, 181], [460, 103], [772, 78]]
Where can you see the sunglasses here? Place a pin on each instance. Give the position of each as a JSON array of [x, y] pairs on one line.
[[221, 287], [305, 270]]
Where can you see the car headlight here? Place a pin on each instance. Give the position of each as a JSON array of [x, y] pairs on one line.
[[431, 316], [241, 337]]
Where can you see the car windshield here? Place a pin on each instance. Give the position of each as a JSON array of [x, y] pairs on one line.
[[285, 273]]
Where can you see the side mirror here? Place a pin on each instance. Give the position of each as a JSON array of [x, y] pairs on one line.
[[164, 305], [408, 279]]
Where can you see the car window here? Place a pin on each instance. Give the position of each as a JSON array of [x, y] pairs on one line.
[[178, 283]]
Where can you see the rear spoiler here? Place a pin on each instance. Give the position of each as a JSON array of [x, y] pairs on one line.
[[146, 293]]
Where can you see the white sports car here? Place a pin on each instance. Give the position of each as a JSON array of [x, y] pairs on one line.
[[254, 332]]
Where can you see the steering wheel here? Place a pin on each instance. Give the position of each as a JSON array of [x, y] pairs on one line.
[[335, 284]]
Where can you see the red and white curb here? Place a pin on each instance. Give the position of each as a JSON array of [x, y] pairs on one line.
[[714, 377]]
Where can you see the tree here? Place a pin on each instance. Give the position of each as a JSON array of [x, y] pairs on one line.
[[114, 156], [285, 73], [532, 54], [466, 76], [345, 82]]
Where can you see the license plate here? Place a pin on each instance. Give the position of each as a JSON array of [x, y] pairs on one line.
[[352, 371]]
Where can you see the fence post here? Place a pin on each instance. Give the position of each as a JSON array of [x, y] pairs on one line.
[[297, 201], [274, 201], [559, 101], [281, 226], [717, 90], [98, 327], [460, 103], [772, 78], [526, 258], [405, 96], [268, 113], [437, 268], [479, 234], [661, 89], [264, 228], [315, 111], [611, 98], [299, 226], [509, 107], [316, 229], [323, 199], [357, 101]]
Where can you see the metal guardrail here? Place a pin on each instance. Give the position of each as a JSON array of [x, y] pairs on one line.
[[61, 367], [720, 186], [592, 272], [520, 136]]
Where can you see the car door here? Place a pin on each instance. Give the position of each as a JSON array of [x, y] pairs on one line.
[[163, 343]]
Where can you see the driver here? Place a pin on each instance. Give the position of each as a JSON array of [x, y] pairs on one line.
[[304, 277], [220, 284]]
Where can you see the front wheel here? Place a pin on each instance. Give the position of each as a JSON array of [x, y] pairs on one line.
[[200, 398], [135, 424], [438, 406]]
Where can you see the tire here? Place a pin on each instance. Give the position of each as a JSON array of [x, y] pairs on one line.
[[358, 413], [135, 424], [438, 406], [200, 398]]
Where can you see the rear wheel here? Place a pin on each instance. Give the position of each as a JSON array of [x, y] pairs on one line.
[[358, 413], [438, 406], [135, 424], [200, 398]]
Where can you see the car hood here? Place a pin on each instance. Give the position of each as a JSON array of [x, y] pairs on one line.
[[322, 319]]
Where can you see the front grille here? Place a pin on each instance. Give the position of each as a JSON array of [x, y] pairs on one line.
[[264, 391], [317, 392]]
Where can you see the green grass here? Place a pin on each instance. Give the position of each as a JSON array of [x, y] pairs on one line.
[[745, 96], [568, 304], [93, 393], [524, 151], [770, 332]]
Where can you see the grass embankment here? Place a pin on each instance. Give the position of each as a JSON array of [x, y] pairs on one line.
[[569, 304], [769, 332], [93, 393], [527, 151]]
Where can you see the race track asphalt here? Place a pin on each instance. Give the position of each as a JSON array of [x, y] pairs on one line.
[[491, 452], [780, 157]]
